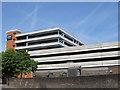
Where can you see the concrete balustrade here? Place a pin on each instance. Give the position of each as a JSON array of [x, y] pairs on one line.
[[82, 64], [75, 49], [77, 57]]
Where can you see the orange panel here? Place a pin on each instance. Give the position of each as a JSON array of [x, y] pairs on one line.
[[27, 75]]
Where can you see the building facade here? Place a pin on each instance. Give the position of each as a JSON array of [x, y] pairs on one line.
[[57, 51], [11, 38], [94, 58]]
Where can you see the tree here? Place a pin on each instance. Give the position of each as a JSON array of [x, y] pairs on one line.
[[16, 62]]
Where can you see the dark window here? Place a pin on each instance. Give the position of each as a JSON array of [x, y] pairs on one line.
[[14, 33], [13, 39], [13, 45]]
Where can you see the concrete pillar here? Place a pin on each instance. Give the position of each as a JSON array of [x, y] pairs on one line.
[[26, 43], [26, 37], [26, 50], [63, 41], [58, 40], [73, 40], [63, 34], [58, 32]]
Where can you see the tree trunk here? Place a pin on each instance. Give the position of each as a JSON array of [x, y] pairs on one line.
[[21, 74]]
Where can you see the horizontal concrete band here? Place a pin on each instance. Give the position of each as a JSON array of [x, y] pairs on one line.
[[75, 49], [51, 37], [82, 64], [40, 45], [37, 38], [35, 32], [44, 38], [47, 30], [78, 57]]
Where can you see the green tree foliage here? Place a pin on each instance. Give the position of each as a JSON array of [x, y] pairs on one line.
[[16, 62]]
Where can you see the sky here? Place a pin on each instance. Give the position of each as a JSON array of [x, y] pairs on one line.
[[90, 22]]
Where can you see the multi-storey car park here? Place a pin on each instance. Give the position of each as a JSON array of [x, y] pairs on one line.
[[57, 51], [45, 39]]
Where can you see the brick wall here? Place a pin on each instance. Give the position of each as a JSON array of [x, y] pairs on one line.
[[11, 42]]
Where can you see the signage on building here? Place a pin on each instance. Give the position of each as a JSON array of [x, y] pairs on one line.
[[9, 37]]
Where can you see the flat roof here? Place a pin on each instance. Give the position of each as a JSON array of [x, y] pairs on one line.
[[13, 30], [38, 31]]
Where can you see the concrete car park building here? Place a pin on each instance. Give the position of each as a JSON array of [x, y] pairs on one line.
[[45, 39], [57, 51]]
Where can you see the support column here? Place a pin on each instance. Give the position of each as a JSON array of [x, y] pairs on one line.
[[63, 41], [58, 32], [26, 50], [58, 40], [26, 45], [63, 34], [26, 37], [73, 41]]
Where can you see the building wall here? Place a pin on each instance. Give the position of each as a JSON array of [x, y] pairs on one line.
[[101, 70], [84, 71], [100, 81]]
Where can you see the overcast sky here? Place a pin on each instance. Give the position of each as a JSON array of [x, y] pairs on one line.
[[90, 22]]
